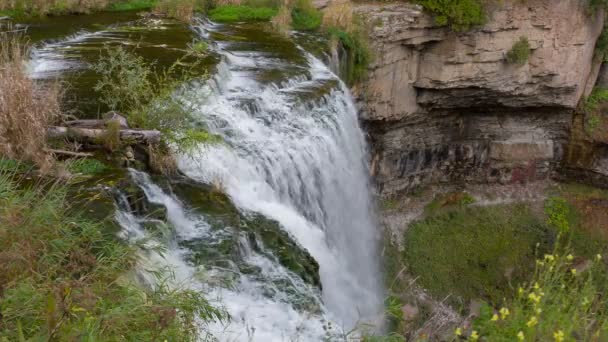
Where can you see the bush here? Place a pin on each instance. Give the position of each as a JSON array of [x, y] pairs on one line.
[[232, 13], [520, 52], [64, 277], [27, 109], [459, 15]]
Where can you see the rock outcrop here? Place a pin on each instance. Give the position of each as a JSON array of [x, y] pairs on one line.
[[442, 106]]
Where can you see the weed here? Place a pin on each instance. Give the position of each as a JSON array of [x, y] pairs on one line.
[[358, 52], [520, 52], [199, 48]]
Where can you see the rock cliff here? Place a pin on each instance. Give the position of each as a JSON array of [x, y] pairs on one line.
[[442, 106]]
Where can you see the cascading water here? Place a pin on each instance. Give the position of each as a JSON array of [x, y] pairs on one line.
[[294, 154]]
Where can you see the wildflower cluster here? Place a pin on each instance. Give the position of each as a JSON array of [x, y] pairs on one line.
[[563, 301]]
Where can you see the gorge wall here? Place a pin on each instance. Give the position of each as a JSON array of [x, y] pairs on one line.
[[442, 106]]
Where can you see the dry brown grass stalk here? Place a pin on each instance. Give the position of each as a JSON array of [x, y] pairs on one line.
[[339, 14], [179, 9], [27, 108]]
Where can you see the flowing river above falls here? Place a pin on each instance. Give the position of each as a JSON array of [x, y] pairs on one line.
[[293, 168]]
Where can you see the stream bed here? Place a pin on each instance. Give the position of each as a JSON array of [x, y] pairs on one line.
[[276, 223]]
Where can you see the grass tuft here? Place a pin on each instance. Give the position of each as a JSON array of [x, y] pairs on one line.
[[232, 13], [520, 52]]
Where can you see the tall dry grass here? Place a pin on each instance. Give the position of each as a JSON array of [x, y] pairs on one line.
[[179, 9], [282, 21], [43, 7], [339, 15], [26, 108]]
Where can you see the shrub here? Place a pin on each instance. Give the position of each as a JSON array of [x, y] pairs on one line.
[[520, 52], [27, 109], [64, 277], [459, 15], [232, 13]]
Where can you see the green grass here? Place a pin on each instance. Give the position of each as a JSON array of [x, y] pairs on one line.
[[87, 167], [133, 5], [305, 17], [231, 13], [474, 252], [65, 277]]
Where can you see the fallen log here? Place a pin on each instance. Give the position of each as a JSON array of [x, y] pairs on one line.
[[95, 135], [69, 153]]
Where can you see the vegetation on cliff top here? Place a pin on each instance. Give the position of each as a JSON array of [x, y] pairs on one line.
[[459, 15]]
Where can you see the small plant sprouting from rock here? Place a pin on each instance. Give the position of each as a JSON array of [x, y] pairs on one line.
[[591, 108], [520, 52]]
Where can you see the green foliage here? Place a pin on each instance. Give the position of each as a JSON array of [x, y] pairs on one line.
[[520, 52], [591, 106], [359, 55], [132, 5], [233, 13], [561, 303], [601, 45], [474, 252], [459, 15], [65, 278], [598, 96], [87, 166], [558, 213], [445, 202], [305, 16], [200, 48], [149, 98]]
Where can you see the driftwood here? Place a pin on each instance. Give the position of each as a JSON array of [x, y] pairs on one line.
[[95, 135], [69, 153]]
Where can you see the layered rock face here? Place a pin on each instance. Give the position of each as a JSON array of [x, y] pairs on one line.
[[442, 106]]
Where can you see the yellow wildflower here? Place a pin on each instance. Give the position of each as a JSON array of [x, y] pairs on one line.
[[536, 286], [474, 335], [549, 257], [504, 312], [494, 318], [559, 336], [569, 257], [534, 298], [598, 257], [573, 271], [532, 322], [539, 311], [521, 336], [540, 263], [458, 331], [520, 291]]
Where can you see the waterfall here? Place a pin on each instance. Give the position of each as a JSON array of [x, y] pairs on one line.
[[296, 155]]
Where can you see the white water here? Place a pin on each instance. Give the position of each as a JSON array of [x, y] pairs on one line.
[[300, 159]]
